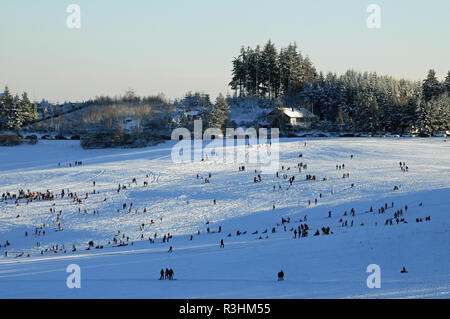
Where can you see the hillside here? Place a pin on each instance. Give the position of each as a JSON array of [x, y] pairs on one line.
[[179, 203]]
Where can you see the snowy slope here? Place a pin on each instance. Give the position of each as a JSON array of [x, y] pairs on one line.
[[179, 203]]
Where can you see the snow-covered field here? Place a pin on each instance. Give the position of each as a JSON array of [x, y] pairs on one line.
[[176, 202]]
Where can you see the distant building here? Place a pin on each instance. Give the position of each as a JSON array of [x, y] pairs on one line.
[[297, 118], [193, 115]]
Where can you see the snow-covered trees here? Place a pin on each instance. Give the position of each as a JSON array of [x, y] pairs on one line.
[[434, 115], [6, 104], [28, 109], [16, 111], [362, 101], [219, 113], [434, 110], [446, 85], [267, 73], [366, 101], [270, 71], [193, 101], [356, 101], [431, 87]]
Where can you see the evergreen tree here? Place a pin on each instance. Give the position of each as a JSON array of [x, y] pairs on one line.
[[426, 117], [193, 101], [15, 112], [446, 85], [16, 119], [237, 82], [266, 73], [440, 107], [28, 110], [431, 87], [219, 113], [270, 70], [6, 106]]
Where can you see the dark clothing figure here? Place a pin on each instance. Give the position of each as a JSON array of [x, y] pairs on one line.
[[281, 275]]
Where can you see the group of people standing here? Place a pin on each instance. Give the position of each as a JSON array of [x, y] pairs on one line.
[[168, 274]]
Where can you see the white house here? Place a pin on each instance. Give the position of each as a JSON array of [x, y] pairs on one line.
[[301, 118]]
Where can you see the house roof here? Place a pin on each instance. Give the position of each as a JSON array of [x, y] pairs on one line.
[[292, 113], [296, 113], [193, 113]]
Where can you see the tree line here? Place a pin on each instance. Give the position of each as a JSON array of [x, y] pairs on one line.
[[353, 101], [212, 114], [15, 111], [268, 73]]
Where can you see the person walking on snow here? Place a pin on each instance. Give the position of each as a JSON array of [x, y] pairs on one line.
[[281, 275]]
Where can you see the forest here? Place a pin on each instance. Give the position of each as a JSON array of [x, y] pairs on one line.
[[355, 101], [352, 102]]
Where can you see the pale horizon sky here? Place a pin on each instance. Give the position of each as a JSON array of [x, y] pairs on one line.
[[178, 46]]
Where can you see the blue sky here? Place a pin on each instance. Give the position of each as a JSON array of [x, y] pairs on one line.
[[175, 46]]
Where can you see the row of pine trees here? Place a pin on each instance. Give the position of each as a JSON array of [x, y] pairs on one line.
[[353, 101], [15, 111], [268, 73], [369, 102], [356, 101]]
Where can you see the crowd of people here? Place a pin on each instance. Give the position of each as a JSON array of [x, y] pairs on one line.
[[299, 228]]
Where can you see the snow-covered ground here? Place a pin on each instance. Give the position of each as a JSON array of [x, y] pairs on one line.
[[180, 204]]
